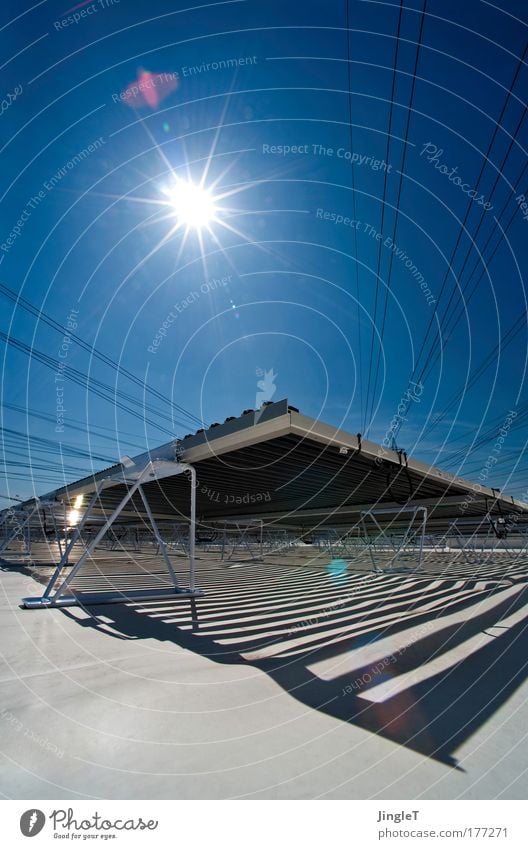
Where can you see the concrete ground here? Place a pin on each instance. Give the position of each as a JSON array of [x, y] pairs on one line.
[[291, 678]]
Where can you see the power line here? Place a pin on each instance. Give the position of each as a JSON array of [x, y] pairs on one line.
[[466, 216], [463, 307], [349, 67], [473, 241], [97, 387], [76, 424], [391, 110], [46, 319], [397, 214]]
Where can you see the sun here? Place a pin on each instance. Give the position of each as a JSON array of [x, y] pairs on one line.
[[192, 204], [192, 207]]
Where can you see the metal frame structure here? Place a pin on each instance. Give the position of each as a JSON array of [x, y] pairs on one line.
[[134, 480], [20, 531], [238, 535], [23, 530], [383, 541], [341, 543]]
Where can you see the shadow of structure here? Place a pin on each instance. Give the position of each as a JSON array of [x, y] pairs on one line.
[[420, 659]]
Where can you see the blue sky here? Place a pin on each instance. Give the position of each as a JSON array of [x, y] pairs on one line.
[[283, 282]]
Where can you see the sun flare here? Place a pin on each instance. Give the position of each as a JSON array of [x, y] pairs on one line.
[[192, 204]]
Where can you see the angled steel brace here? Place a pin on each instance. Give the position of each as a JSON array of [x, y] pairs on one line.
[[154, 469], [74, 539], [159, 540]]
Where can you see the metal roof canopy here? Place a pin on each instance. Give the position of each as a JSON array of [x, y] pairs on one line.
[[274, 464], [292, 470]]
